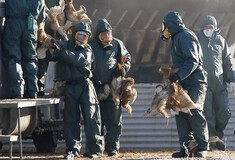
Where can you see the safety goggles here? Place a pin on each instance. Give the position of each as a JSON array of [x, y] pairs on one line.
[[165, 35], [106, 36], [82, 36]]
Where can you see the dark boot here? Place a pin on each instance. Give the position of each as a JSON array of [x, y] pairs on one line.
[[213, 147], [32, 95], [90, 155], [180, 154], [16, 97], [220, 145], [113, 153], [41, 93]]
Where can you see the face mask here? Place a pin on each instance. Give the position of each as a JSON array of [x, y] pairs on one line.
[[81, 39], [107, 45], [106, 39], [79, 46], [208, 32], [165, 35]]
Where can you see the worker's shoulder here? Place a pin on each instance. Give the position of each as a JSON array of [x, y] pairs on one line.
[[219, 38], [116, 40], [188, 35]]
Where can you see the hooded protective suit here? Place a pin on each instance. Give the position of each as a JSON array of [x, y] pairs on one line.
[[187, 56], [217, 63], [20, 45], [74, 67], [105, 65]]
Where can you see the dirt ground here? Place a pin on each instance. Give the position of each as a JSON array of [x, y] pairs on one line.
[[135, 154]]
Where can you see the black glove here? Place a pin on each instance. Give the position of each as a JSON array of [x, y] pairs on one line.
[[120, 72], [57, 48], [174, 78]]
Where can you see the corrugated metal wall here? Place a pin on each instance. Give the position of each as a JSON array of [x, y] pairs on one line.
[[159, 132]]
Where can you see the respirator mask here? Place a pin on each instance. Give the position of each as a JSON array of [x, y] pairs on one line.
[[106, 39], [81, 39], [165, 35]]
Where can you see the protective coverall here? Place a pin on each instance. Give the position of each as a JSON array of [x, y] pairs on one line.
[[20, 45], [105, 65], [74, 67], [217, 63], [187, 56]]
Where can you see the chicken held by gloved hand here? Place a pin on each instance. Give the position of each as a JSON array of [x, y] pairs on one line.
[[170, 96], [56, 19], [44, 42], [120, 89], [115, 86], [128, 94]]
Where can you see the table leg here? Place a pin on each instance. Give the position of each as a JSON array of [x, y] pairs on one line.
[[20, 138], [10, 150]]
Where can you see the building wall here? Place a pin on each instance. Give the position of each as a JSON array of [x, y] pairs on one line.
[[138, 24]]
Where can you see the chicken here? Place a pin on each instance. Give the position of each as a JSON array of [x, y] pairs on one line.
[[158, 106], [44, 42], [56, 19], [179, 100], [115, 88], [170, 96], [128, 94], [73, 16], [105, 94], [121, 90]]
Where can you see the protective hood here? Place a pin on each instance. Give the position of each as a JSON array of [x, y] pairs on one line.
[[209, 20], [80, 27], [174, 23], [102, 25]]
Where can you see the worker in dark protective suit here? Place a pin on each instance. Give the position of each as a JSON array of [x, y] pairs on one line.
[[217, 63], [74, 66], [187, 57], [19, 45], [108, 52]]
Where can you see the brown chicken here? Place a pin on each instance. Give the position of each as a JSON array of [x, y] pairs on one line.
[[56, 19], [121, 90], [73, 17], [44, 41], [170, 96], [128, 94]]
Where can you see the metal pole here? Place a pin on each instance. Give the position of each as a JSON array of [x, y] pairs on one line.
[[10, 150], [19, 129]]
